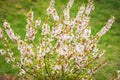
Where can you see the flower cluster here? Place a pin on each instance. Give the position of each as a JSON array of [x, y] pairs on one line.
[[31, 26], [25, 48], [9, 31], [52, 11], [65, 49]]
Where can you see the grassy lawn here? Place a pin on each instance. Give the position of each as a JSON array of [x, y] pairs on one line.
[[14, 11]]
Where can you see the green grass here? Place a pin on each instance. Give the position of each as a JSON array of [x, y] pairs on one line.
[[14, 11]]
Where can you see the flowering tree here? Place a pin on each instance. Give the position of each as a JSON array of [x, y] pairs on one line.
[[66, 50]]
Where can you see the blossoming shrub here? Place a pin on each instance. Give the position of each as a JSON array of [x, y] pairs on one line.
[[66, 49]]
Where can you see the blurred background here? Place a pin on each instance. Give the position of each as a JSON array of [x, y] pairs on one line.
[[15, 11]]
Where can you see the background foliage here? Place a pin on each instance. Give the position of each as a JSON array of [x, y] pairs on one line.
[[14, 11]]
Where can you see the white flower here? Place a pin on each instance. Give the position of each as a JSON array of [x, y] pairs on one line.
[[56, 17], [63, 50], [57, 67], [38, 67], [57, 30], [95, 49], [86, 33], [1, 33], [22, 72], [21, 47], [66, 14], [3, 52], [45, 29], [50, 10], [102, 53], [79, 48], [39, 50], [70, 3], [37, 23], [7, 59], [52, 2], [69, 23], [66, 37]]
